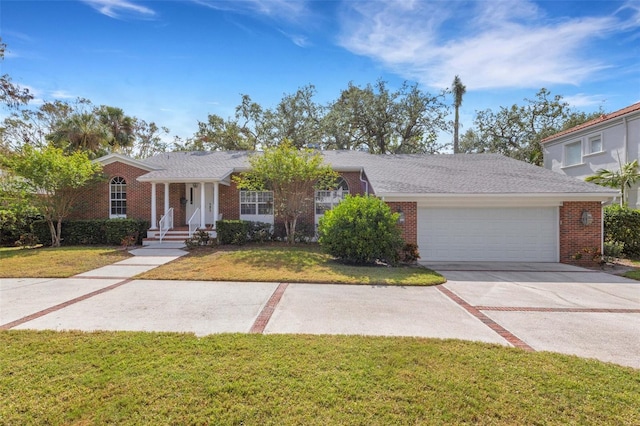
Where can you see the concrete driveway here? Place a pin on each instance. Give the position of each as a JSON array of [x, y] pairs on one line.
[[533, 306]]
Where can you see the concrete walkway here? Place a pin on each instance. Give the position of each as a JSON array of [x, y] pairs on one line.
[[542, 307]]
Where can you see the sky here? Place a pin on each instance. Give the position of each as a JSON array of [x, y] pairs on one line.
[[175, 62]]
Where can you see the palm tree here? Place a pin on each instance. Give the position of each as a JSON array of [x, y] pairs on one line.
[[458, 90], [121, 127], [621, 179], [82, 131]]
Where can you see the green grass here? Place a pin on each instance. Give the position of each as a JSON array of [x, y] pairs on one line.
[[231, 379], [635, 275], [58, 262], [281, 263]]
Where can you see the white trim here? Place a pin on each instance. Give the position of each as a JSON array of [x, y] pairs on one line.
[[119, 158], [534, 199]]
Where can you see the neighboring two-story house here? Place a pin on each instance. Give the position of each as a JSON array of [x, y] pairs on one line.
[[603, 143]]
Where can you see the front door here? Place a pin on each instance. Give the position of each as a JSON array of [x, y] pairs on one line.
[[192, 192]]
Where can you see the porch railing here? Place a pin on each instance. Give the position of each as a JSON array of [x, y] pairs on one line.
[[166, 223], [193, 222]]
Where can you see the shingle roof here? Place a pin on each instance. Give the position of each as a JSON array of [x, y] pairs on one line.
[[603, 118], [394, 174], [469, 174]]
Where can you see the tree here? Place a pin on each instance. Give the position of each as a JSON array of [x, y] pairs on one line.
[[51, 180], [291, 174], [381, 122], [516, 131], [148, 140], [458, 89], [121, 127], [11, 94], [621, 179]]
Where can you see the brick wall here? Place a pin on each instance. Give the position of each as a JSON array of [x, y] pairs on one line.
[[93, 202], [576, 237], [410, 226]]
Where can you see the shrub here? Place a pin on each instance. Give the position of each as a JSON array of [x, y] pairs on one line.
[[94, 231], [260, 232], [622, 225], [232, 231], [200, 238], [305, 232], [409, 253], [361, 230], [14, 223]]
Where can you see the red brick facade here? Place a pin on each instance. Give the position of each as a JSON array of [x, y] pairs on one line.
[[580, 243], [410, 225]]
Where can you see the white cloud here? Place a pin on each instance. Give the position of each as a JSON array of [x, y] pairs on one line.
[[489, 44], [62, 94], [289, 10], [115, 8], [583, 100]]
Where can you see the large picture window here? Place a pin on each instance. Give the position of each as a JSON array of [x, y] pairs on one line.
[[118, 197], [256, 203]]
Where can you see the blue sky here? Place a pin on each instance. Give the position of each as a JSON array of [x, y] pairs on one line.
[[175, 62]]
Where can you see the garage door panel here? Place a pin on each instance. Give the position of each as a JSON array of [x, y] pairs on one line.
[[488, 234]]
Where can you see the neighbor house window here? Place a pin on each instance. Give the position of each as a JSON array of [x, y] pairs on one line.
[[595, 144], [118, 197], [256, 203], [573, 153]]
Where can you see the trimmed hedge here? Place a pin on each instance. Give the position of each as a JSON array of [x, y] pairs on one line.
[[361, 230], [93, 231], [240, 232], [622, 226]]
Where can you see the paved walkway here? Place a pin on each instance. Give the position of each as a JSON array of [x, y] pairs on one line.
[[545, 307]]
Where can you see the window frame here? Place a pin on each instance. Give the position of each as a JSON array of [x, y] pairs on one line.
[[117, 197], [260, 201], [591, 138], [566, 156]]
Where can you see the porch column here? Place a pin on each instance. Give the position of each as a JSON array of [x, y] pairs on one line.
[[216, 204], [154, 217], [202, 207], [166, 198]]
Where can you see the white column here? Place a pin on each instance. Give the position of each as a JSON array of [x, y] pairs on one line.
[[202, 206], [216, 204], [154, 217], [166, 198]]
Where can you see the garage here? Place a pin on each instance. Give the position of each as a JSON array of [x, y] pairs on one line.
[[504, 234]]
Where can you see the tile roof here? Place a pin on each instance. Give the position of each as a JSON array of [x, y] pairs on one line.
[[603, 118], [394, 174]]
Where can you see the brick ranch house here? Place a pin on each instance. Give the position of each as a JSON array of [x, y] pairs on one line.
[[462, 207]]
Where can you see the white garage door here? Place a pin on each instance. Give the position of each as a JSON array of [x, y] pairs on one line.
[[488, 234]]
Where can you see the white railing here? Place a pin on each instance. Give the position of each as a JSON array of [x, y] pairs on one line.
[[193, 226], [166, 223]]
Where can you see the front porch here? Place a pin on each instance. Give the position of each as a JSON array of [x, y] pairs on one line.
[[187, 207], [178, 234]]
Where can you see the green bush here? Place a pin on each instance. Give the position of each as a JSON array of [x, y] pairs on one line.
[[622, 226], [260, 232], [93, 231], [199, 238], [14, 223], [232, 231], [361, 230]]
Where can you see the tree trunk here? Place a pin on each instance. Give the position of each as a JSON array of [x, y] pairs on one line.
[[456, 126]]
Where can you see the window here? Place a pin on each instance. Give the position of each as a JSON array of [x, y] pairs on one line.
[[256, 203], [573, 153], [328, 199], [118, 197], [595, 144]]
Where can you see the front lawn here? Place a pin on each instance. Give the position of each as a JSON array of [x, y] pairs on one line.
[[231, 379], [281, 263], [58, 262]]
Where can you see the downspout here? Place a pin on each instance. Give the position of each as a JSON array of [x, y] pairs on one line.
[[366, 184], [626, 140]]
